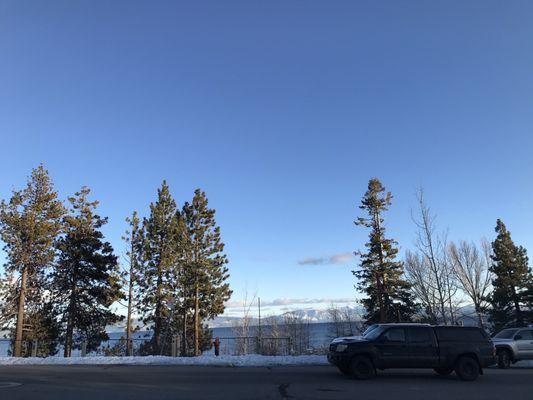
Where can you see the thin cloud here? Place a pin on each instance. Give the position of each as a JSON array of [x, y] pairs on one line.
[[289, 302], [331, 260]]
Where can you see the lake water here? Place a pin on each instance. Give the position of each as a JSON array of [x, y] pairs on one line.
[[319, 337]]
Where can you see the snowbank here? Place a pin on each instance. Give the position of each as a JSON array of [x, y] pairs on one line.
[[252, 360]]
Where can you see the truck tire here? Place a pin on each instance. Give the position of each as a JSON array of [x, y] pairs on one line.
[[504, 358], [444, 371], [362, 368], [467, 369]]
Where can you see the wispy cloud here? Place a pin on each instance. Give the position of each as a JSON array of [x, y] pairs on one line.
[[289, 302], [286, 301], [330, 260]]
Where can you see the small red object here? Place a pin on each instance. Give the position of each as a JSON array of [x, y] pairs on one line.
[[217, 346]]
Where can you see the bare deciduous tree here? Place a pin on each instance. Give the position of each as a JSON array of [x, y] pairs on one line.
[[296, 329], [243, 326], [344, 321], [334, 317], [471, 268], [429, 269], [272, 343], [423, 285]]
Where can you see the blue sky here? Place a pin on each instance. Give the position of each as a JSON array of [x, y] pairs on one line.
[[281, 111]]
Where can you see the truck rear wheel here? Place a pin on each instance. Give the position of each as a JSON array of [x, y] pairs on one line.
[[362, 368], [504, 358], [467, 368]]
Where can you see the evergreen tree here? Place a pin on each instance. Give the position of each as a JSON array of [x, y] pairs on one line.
[[205, 267], [512, 282], [30, 224], [45, 332], [85, 280], [160, 267], [380, 276], [8, 295]]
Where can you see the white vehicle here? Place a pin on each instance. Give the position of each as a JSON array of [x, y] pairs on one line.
[[512, 345]]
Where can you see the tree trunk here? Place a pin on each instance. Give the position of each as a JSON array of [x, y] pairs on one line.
[[128, 323], [518, 313], [17, 352], [196, 319], [479, 316], [382, 314], [381, 286], [70, 321], [453, 318], [184, 334], [158, 316]]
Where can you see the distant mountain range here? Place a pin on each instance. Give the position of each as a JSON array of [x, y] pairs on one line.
[[311, 315]]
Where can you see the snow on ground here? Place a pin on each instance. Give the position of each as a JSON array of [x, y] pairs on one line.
[[251, 360], [524, 364]]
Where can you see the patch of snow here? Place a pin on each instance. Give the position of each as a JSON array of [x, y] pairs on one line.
[[524, 364], [252, 360]]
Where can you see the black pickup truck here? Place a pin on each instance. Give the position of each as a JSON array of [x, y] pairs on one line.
[[465, 350]]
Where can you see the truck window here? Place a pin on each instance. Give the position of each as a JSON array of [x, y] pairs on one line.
[[372, 334], [506, 334], [452, 334], [394, 335], [526, 335], [419, 335], [370, 329]]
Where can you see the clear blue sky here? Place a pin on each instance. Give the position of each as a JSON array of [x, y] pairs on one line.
[[281, 111]]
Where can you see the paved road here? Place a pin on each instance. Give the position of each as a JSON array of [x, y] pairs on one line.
[[171, 382]]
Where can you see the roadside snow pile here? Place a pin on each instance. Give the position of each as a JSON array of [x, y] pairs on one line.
[[252, 360]]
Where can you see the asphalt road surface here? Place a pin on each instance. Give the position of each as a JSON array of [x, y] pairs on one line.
[[309, 382]]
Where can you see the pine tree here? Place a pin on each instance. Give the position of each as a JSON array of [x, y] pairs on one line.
[[8, 296], [512, 282], [30, 224], [205, 264], [380, 276], [160, 267], [86, 279]]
